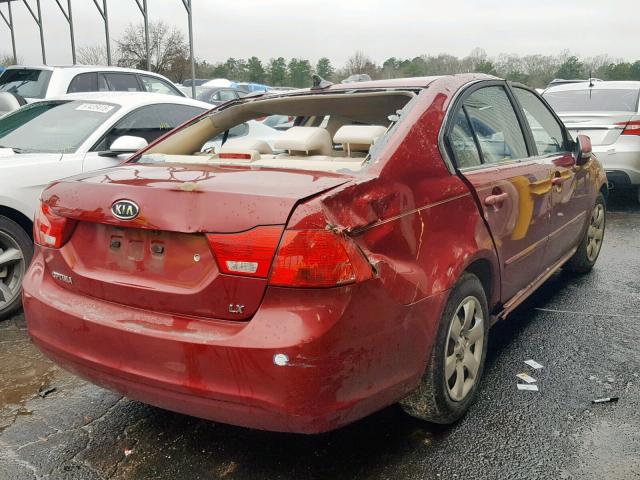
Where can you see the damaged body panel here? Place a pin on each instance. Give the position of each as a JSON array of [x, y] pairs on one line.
[[303, 282]]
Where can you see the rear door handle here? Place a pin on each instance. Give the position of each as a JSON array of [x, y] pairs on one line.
[[492, 200]]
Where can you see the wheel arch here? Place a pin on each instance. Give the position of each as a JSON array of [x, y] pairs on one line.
[[604, 190], [487, 272], [19, 218]]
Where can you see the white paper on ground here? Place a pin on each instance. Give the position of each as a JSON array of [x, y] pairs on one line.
[[526, 378], [531, 388], [533, 364]]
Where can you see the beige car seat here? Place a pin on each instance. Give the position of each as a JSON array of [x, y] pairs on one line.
[[358, 138], [305, 141]]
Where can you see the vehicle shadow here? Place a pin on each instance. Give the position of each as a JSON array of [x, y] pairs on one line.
[[379, 446], [623, 201], [376, 446]]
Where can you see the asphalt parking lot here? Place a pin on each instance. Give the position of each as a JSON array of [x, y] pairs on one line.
[[585, 331]]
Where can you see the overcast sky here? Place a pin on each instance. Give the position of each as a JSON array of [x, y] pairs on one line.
[[337, 28]]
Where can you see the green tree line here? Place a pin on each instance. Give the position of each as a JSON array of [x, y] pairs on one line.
[[534, 70], [170, 57]]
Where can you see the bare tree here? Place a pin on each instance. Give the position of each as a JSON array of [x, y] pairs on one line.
[[94, 55], [361, 63], [168, 50], [7, 60]]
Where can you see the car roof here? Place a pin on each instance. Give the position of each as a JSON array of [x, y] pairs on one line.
[[218, 88], [132, 99], [82, 68], [600, 85], [409, 82]]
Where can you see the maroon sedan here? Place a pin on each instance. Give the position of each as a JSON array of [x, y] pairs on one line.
[[302, 281]]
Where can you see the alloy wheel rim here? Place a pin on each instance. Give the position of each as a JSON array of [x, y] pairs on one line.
[[463, 349], [595, 233], [12, 269]]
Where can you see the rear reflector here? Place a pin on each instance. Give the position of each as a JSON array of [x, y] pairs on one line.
[[630, 128], [235, 156], [248, 253], [51, 230], [317, 258]]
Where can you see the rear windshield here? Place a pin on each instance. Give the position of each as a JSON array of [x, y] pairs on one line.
[[44, 126], [594, 100], [326, 132], [28, 83]]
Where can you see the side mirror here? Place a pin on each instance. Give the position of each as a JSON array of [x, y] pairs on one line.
[[125, 144], [584, 150]]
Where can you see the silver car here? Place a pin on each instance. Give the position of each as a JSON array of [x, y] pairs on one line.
[[609, 113]]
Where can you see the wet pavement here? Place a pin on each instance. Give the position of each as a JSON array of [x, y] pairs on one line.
[[585, 331]]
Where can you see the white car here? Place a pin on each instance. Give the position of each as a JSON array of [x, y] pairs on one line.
[[35, 83], [251, 129], [609, 113], [58, 138]]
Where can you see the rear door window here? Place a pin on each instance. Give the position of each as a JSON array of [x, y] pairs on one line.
[[594, 100], [122, 82], [496, 126], [227, 95], [462, 143], [150, 123], [157, 85], [85, 82], [547, 132], [103, 86], [26, 82]]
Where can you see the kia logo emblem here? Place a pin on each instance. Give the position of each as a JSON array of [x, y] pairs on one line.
[[125, 209]]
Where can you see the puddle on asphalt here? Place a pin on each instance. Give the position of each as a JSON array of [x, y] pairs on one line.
[[23, 371]]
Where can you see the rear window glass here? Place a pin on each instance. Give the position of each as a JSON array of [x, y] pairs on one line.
[[594, 100], [28, 83], [326, 132]]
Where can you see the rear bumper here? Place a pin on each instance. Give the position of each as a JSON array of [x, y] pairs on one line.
[[622, 156], [351, 351]]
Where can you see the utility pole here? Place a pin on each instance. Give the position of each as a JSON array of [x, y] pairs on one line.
[[69, 17], [105, 17], [145, 15], [9, 22], [187, 6], [38, 19]]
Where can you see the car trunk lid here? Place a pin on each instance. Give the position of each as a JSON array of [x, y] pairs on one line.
[[162, 259], [604, 128]]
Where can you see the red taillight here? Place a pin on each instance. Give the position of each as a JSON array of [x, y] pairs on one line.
[[317, 258], [51, 230], [248, 253], [630, 128]]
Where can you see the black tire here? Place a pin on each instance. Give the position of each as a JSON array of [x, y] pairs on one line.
[[11, 232], [583, 260], [432, 400]]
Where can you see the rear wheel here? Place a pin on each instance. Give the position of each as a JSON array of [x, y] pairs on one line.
[[589, 249], [16, 250], [451, 379]]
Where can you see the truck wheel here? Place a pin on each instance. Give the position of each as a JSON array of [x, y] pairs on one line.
[[16, 250], [449, 384], [589, 249]]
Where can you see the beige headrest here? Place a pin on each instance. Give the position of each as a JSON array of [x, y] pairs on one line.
[[358, 138], [237, 145], [305, 140]]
